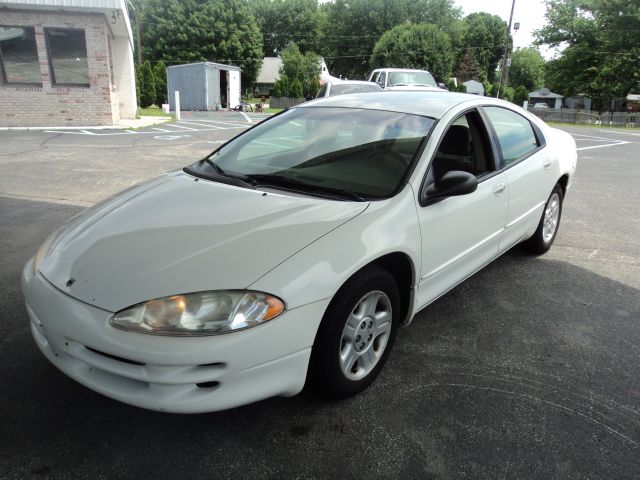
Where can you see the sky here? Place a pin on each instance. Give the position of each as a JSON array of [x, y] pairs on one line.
[[530, 14]]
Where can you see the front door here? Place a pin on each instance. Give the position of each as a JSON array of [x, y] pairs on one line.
[[461, 234]]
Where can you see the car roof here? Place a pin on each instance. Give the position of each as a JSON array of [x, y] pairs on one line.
[[427, 103], [400, 70]]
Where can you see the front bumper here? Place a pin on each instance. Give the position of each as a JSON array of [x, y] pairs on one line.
[[172, 374]]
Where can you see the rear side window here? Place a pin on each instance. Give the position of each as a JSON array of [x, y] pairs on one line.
[[516, 136], [381, 79]]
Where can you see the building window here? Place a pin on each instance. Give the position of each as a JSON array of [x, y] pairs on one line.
[[19, 56], [67, 56]]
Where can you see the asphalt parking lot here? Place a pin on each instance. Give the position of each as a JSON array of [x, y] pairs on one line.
[[529, 369]]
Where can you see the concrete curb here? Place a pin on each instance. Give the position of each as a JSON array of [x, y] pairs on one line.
[[141, 123]]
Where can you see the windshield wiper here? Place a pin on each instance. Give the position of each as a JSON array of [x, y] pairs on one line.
[[400, 85], [288, 183], [239, 180]]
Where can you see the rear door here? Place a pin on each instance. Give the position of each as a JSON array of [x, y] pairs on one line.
[[529, 167]]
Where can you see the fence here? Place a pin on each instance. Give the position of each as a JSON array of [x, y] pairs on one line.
[[284, 102], [583, 117]]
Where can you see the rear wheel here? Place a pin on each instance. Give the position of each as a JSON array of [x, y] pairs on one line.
[[356, 334], [541, 241]]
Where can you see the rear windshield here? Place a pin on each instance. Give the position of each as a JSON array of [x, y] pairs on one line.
[[364, 152], [341, 89]]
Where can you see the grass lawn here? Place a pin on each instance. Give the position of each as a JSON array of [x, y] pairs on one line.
[[153, 112]]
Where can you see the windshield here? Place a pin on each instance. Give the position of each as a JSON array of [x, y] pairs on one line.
[[362, 153], [423, 79], [342, 89]]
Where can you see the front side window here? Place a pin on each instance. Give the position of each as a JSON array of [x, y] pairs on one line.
[[323, 91], [19, 56], [67, 56], [516, 137], [365, 152], [464, 147]]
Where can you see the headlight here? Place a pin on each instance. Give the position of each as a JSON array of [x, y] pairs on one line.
[[202, 313]]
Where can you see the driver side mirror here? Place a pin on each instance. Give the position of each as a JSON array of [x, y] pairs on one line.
[[452, 183], [443, 86]]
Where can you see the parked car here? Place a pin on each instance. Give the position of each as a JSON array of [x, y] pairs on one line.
[[540, 105], [333, 88], [404, 79], [295, 250]]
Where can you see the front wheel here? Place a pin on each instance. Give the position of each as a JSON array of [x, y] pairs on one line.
[[541, 241], [356, 334]]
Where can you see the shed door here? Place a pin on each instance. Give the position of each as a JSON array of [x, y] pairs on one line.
[[233, 87]]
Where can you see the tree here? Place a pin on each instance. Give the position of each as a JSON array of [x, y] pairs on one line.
[[283, 22], [527, 68], [160, 78], [485, 37], [147, 85], [352, 29], [182, 31], [602, 54], [295, 90], [421, 46], [467, 68], [299, 73], [520, 95]]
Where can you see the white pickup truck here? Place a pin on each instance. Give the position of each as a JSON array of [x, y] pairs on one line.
[[404, 79]]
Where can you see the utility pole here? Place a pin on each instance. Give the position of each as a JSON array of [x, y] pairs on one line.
[[503, 72]]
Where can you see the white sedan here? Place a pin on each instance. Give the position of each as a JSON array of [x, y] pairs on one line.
[[295, 250]]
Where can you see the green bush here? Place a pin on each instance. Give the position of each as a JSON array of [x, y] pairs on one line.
[[295, 90], [147, 85], [160, 79]]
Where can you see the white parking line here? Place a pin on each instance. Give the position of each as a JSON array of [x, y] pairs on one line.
[[621, 133], [603, 146], [202, 125], [161, 129], [184, 128]]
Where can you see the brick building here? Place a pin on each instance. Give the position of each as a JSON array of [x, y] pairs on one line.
[[65, 62]]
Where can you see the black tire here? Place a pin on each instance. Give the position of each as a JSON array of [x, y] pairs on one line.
[[325, 368], [540, 242]]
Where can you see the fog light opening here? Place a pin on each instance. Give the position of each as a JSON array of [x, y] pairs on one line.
[[208, 384]]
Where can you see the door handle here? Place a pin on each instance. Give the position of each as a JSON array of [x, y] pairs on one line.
[[499, 189], [547, 163]]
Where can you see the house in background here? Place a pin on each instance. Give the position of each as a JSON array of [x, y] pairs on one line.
[[474, 87], [65, 62], [544, 95], [578, 102], [268, 75]]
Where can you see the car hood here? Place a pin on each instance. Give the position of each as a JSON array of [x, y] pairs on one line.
[[178, 235]]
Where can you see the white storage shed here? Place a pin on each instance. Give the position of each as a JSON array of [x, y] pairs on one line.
[[204, 85]]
